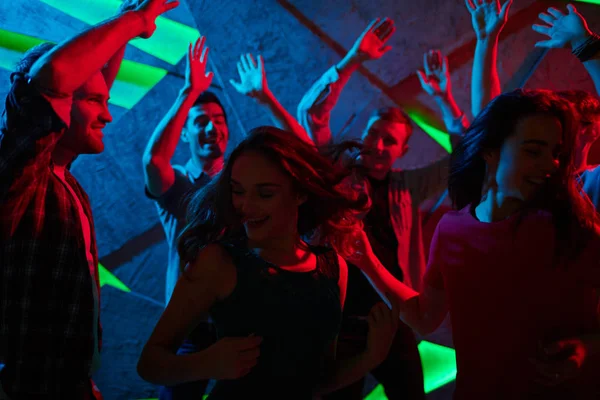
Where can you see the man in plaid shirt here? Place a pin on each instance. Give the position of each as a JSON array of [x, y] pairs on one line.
[[49, 291]]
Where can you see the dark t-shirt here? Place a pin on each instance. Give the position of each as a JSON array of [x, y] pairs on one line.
[[172, 208], [378, 227]]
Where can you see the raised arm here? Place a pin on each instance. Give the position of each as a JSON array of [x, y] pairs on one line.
[[488, 19], [314, 110], [210, 278], [253, 83], [158, 172], [571, 31], [71, 63], [435, 81], [424, 312]]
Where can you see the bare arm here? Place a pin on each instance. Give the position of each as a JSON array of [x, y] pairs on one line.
[[383, 324], [315, 108], [253, 83], [158, 172], [571, 31], [435, 81], [71, 63], [488, 19], [210, 278]]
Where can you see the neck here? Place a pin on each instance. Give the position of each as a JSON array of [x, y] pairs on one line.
[[378, 174], [494, 206], [283, 250], [581, 157], [62, 157], [210, 166]]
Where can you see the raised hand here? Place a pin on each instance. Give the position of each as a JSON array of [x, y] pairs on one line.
[[383, 324], [488, 16], [233, 357], [371, 44], [563, 30], [197, 80], [435, 76], [149, 10], [253, 80]]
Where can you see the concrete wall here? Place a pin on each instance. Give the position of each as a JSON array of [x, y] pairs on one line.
[[299, 40]]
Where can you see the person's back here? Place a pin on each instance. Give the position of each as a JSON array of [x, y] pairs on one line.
[[507, 296]]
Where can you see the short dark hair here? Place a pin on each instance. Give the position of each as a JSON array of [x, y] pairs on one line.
[[393, 114], [585, 103], [31, 56], [209, 97]]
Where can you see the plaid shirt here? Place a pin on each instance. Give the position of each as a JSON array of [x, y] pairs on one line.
[[46, 298]]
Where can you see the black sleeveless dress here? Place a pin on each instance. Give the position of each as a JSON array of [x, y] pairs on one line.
[[298, 315]]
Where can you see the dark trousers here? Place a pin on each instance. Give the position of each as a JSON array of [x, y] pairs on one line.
[[401, 373], [202, 337]]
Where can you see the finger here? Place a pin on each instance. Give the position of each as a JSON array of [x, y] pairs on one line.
[[470, 5], [235, 84], [556, 13], [422, 79], [505, 9], [189, 54], [389, 32], [571, 8], [247, 343], [245, 63], [240, 69], [436, 57], [170, 6], [204, 57], [249, 355], [547, 18], [372, 26], [198, 47], [543, 29], [209, 77], [261, 64], [385, 49], [445, 65], [548, 44], [381, 27], [251, 61], [427, 63]]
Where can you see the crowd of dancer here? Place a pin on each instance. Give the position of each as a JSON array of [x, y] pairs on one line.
[[296, 265]]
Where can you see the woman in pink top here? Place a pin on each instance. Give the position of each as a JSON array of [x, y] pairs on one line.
[[518, 264]]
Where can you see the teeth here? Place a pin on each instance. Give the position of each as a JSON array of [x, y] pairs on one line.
[[257, 219]]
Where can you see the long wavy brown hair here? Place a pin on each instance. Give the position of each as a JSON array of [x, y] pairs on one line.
[[328, 216]]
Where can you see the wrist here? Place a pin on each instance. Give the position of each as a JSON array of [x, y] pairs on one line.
[[264, 96], [578, 41], [484, 39], [349, 63], [136, 20]]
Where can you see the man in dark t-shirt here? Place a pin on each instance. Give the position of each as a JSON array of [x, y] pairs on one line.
[[198, 117]]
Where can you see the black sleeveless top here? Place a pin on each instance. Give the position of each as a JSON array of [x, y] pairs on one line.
[[298, 315]]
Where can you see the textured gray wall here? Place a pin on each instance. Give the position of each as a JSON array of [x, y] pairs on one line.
[[299, 41]]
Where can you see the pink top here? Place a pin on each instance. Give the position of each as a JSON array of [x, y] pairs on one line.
[[505, 295]]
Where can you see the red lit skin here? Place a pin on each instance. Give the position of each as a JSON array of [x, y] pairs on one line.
[[253, 83], [488, 19], [202, 126], [260, 190], [515, 173], [73, 70], [570, 30]]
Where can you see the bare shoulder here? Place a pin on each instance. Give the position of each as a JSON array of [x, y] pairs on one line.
[[214, 268]]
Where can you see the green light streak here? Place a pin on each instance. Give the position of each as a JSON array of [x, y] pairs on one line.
[[169, 43], [439, 136], [107, 278], [133, 82], [597, 2]]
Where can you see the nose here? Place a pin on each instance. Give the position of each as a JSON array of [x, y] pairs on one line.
[[105, 116], [379, 144], [551, 164], [210, 127]]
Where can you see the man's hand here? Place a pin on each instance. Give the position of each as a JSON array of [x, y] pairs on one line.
[[129, 5], [435, 76], [149, 10], [562, 360], [488, 17], [563, 30], [197, 80], [253, 79], [370, 45]]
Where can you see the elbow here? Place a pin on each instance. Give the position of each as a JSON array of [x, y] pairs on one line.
[[51, 75], [153, 162]]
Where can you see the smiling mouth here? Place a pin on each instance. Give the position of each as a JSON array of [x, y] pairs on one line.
[[255, 222]]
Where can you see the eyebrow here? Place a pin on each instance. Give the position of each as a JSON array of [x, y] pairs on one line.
[[265, 184], [99, 96], [535, 141]]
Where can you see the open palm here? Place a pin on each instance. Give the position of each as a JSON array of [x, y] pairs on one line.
[[253, 79], [563, 30], [488, 17]]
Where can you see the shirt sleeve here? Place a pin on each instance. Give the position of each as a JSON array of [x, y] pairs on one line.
[[29, 130], [314, 110], [174, 200], [433, 274], [428, 181]]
